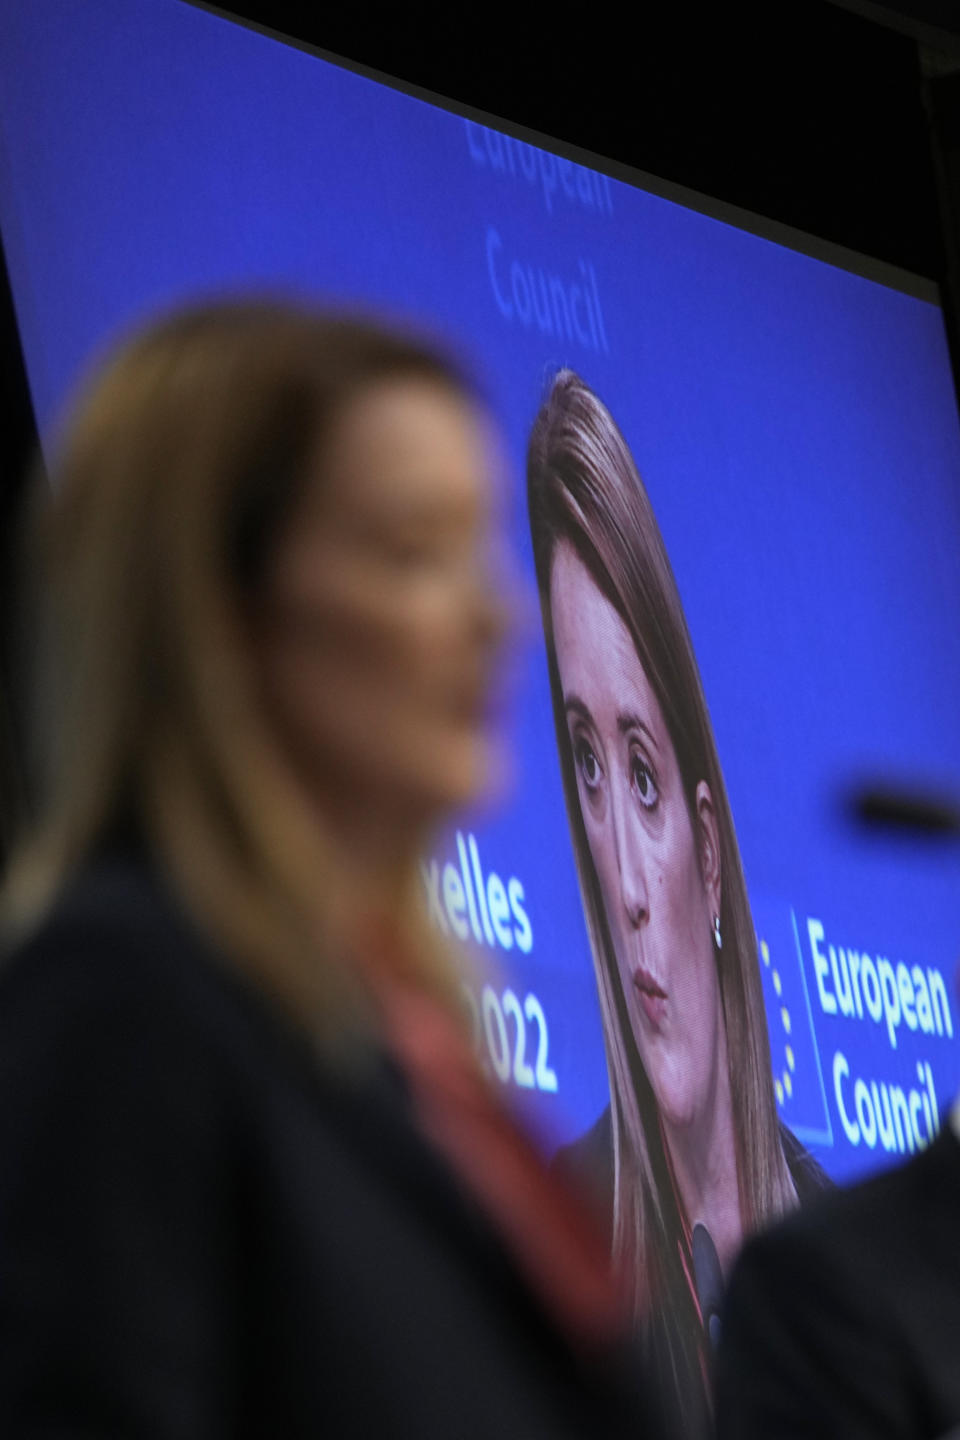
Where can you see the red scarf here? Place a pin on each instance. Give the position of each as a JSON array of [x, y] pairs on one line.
[[540, 1220]]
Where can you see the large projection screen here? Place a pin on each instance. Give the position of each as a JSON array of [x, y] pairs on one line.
[[791, 418]]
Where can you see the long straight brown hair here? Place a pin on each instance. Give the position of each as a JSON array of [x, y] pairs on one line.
[[169, 486], [584, 489]]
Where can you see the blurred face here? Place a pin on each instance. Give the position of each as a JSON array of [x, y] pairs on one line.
[[383, 620], [658, 871]]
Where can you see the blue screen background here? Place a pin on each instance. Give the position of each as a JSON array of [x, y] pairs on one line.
[[795, 425]]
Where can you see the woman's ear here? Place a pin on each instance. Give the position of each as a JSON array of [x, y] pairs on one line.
[[709, 841]]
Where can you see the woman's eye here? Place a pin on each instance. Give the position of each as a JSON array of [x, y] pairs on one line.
[[587, 763], [643, 781]]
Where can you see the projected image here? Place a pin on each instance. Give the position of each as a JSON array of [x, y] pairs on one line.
[[690, 1153]]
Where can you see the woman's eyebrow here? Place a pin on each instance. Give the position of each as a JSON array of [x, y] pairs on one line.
[[572, 702], [628, 720]]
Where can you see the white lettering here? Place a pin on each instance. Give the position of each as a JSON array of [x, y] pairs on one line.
[[891, 999], [828, 1002], [474, 132], [871, 991], [886, 1114], [924, 1008], [906, 996], [941, 1005], [522, 932], [455, 901], [506, 156], [865, 1115], [553, 304], [499, 906], [841, 1071]]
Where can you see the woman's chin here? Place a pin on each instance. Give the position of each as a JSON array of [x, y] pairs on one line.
[[477, 772], [675, 1100], [457, 777]]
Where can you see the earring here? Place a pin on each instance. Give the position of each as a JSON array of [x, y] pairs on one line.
[[717, 937]]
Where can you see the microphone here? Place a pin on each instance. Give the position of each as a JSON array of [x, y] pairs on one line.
[[708, 1278], [894, 806]]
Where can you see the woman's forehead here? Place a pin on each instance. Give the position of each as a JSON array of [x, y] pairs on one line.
[[596, 655], [407, 450]]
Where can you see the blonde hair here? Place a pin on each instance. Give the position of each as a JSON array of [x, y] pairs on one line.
[[180, 461], [584, 489]]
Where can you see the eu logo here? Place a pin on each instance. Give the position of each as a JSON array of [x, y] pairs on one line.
[[794, 1054]]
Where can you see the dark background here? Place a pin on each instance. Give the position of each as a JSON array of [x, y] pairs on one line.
[[841, 119]]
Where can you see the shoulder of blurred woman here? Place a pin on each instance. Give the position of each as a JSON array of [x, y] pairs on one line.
[[163, 1151], [143, 1075], [115, 949], [806, 1172], [118, 979]]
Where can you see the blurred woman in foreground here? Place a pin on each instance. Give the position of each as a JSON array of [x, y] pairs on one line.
[[250, 1180]]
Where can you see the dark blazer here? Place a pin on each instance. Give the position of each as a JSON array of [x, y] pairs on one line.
[[204, 1233], [589, 1159], [843, 1322]]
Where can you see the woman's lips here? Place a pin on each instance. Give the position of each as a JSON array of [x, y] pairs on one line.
[[653, 997]]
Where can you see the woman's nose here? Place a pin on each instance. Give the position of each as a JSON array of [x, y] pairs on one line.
[[631, 863]]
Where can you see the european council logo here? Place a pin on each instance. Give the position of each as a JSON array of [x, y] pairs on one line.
[[794, 1055]]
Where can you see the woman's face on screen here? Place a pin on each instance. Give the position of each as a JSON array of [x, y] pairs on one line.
[[385, 620], [657, 869]]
